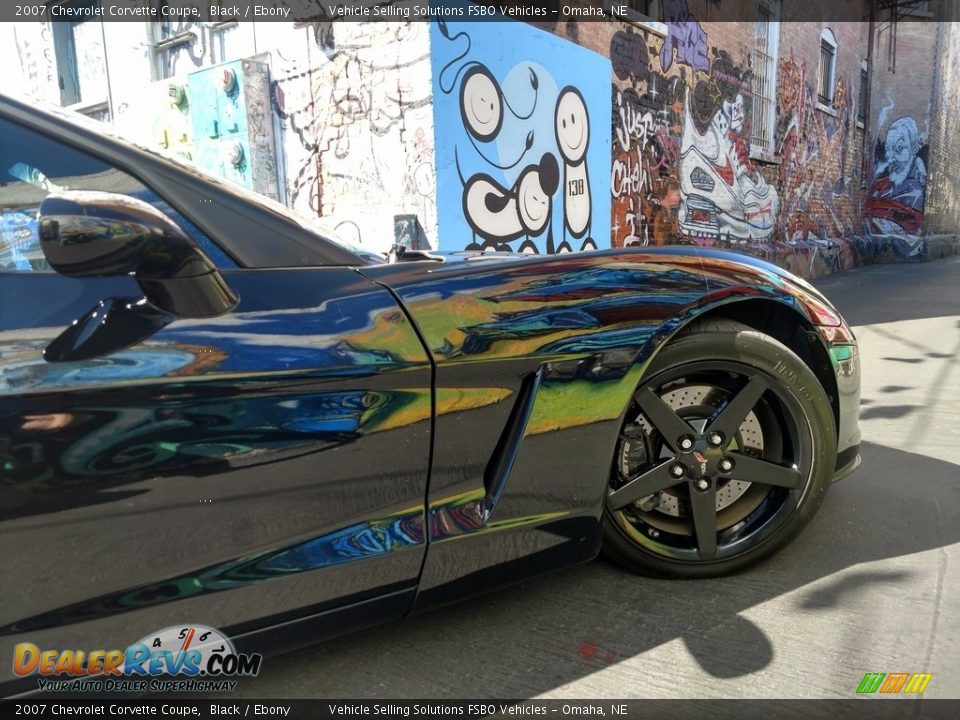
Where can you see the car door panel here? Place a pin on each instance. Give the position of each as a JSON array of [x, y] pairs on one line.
[[266, 463]]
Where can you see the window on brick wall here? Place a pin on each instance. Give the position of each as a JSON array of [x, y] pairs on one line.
[[646, 13], [828, 67], [764, 85]]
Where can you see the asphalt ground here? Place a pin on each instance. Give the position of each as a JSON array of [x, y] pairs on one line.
[[873, 585]]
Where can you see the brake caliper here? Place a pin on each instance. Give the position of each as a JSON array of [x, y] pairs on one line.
[[633, 457]]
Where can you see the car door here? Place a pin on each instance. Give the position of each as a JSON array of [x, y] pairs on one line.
[[238, 471]]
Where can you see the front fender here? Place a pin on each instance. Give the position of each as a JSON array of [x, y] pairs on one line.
[[536, 361]]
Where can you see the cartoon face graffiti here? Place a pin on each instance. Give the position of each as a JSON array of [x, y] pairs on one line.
[[500, 215], [518, 139], [535, 190], [903, 142], [572, 125], [481, 103], [895, 200]]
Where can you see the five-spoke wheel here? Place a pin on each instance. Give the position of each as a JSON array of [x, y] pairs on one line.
[[725, 454]]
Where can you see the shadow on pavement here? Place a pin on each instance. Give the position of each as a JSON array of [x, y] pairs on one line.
[[888, 411]]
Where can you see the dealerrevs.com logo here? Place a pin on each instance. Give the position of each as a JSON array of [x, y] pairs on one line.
[[186, 658]]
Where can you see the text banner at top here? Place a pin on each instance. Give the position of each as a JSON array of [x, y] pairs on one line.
[[544, 11]]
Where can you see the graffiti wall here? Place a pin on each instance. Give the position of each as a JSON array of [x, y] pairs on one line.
[[508, 135], [819, 174], [523, 155], [682, 170], [815, 147], [895, 200], [647, 124], [685, 166], [354, 101]]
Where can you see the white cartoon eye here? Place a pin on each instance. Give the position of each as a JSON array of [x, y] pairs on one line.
[[481, 104], [572, 126]]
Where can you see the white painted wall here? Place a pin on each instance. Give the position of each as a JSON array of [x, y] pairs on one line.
[[352, 104], [355, 100]]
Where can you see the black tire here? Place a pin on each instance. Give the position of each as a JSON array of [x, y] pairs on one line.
[[779, 435]]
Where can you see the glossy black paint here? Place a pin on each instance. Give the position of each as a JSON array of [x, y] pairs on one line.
[[583, 328], [262, 465], [111, 325], [346, 445], [85, 233], [100, 234]]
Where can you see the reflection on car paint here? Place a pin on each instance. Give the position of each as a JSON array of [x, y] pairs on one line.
[[591, 323], [586, 296], [22, 367], [304, 381], [101, 441], [278, 340], [463, 514], [356, 542]]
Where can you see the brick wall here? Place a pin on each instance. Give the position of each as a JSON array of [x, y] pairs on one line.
[[942, 213], [819, 144], [684, 167]]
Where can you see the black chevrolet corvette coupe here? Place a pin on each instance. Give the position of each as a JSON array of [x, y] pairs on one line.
[[209, 413]]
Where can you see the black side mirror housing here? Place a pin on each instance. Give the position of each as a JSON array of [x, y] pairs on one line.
[[99, 234], [86, 233]]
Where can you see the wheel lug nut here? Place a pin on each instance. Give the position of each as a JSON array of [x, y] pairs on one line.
[[725, 465], [703, 484], [653, 533], [715, 438], [685, 443], [677, 470]]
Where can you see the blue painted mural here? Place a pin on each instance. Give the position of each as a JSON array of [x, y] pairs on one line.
[[523, 139]]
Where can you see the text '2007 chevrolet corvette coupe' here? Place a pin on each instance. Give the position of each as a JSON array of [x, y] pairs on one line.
[[210, 412]]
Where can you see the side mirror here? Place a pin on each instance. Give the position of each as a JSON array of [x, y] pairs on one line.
[[98, 234], [85, 234]]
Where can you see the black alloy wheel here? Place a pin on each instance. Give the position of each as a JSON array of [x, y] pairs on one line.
[[726, 452]]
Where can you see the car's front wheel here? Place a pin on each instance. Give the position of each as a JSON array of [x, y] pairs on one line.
[[726, 452]]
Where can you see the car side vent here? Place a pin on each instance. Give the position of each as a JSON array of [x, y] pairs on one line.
[[508, 446]]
